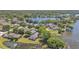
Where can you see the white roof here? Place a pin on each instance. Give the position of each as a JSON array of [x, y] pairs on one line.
[[1, 33]]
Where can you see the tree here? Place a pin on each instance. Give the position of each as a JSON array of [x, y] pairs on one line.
[[44, 33], [42, 22], [23, 24], [15, 28], [6, 27], [55, 42], [26, 29], [20, 30], [27, 34]]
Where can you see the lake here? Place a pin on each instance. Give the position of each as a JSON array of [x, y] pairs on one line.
[[39, 19], [72, 39]]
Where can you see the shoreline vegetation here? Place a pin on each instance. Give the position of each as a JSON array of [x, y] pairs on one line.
[[35, 29]]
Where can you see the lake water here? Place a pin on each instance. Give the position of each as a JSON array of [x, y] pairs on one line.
[[39, 19], [72, 39]]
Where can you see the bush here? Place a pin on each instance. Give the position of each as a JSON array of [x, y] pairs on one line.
[[20, 30], [44, 33], [26, 35], [55, 42], [23, 24], [6, 27]]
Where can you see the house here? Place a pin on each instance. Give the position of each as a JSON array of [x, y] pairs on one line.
[[11, 36], [36, 25], [3, 22], [76, 15], [34, 36], [1, 33], [33, 30], [15, 20], [1, 27], [11, 45], [51, 26]]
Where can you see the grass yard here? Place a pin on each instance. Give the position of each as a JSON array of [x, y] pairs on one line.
[[37, 41], [2, 40], [26, 40]]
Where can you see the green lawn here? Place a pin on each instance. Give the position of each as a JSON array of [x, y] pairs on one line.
[[1, 43], [26, 40], [37, 41]]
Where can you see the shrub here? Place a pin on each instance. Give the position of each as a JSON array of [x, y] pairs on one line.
[[6, 27], [55, 42], [44, 34]]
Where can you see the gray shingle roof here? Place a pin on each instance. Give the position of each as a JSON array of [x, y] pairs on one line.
[[12, 35], [34, 36]]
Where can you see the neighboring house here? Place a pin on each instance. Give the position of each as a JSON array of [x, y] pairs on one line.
[[11, 36], [15, 20], [2, 33], [36, 25], [33, 30], [76, 15], [52, 26], [11, 45], [1, 27], [34, 36], [5, 36], [3, 22]]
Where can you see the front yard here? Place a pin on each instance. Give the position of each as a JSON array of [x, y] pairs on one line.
[[2, 40]]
